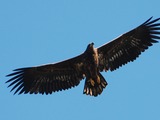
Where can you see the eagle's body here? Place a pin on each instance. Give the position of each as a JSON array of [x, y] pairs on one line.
[[95, 82], [66, 74]]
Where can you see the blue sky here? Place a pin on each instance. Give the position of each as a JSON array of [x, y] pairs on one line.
[[36, 32]]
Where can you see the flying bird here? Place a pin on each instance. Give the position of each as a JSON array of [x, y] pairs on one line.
[[49, 78]]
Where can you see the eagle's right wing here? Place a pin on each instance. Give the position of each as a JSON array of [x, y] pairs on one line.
[[48, 78]]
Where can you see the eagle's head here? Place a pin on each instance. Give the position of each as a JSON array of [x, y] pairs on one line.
[[90, 47]]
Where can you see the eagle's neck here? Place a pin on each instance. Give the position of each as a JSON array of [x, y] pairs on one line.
[[92, 53]]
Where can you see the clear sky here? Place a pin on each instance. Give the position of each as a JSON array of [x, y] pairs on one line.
[[36, 32]]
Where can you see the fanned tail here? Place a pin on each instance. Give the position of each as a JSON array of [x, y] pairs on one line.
[[94, 87]]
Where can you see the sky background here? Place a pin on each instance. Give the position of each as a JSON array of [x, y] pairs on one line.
[[35, 32]]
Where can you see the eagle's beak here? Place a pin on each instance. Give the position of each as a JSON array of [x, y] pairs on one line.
[[92, 44]]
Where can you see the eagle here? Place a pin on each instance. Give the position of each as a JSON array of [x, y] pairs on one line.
[[49, 78]]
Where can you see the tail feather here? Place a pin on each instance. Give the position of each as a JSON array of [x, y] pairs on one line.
[[93, 87]]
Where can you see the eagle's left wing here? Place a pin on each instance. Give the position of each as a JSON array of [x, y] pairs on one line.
[[48, 78], [128, 46]]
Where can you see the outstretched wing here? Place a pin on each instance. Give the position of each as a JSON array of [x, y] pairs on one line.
[[128, 46], [48, 78]]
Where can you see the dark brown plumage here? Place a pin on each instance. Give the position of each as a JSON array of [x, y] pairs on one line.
[[66, 74]]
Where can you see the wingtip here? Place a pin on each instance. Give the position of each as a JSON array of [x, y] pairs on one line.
[[20, 69], [150, 21], [17, 71]]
